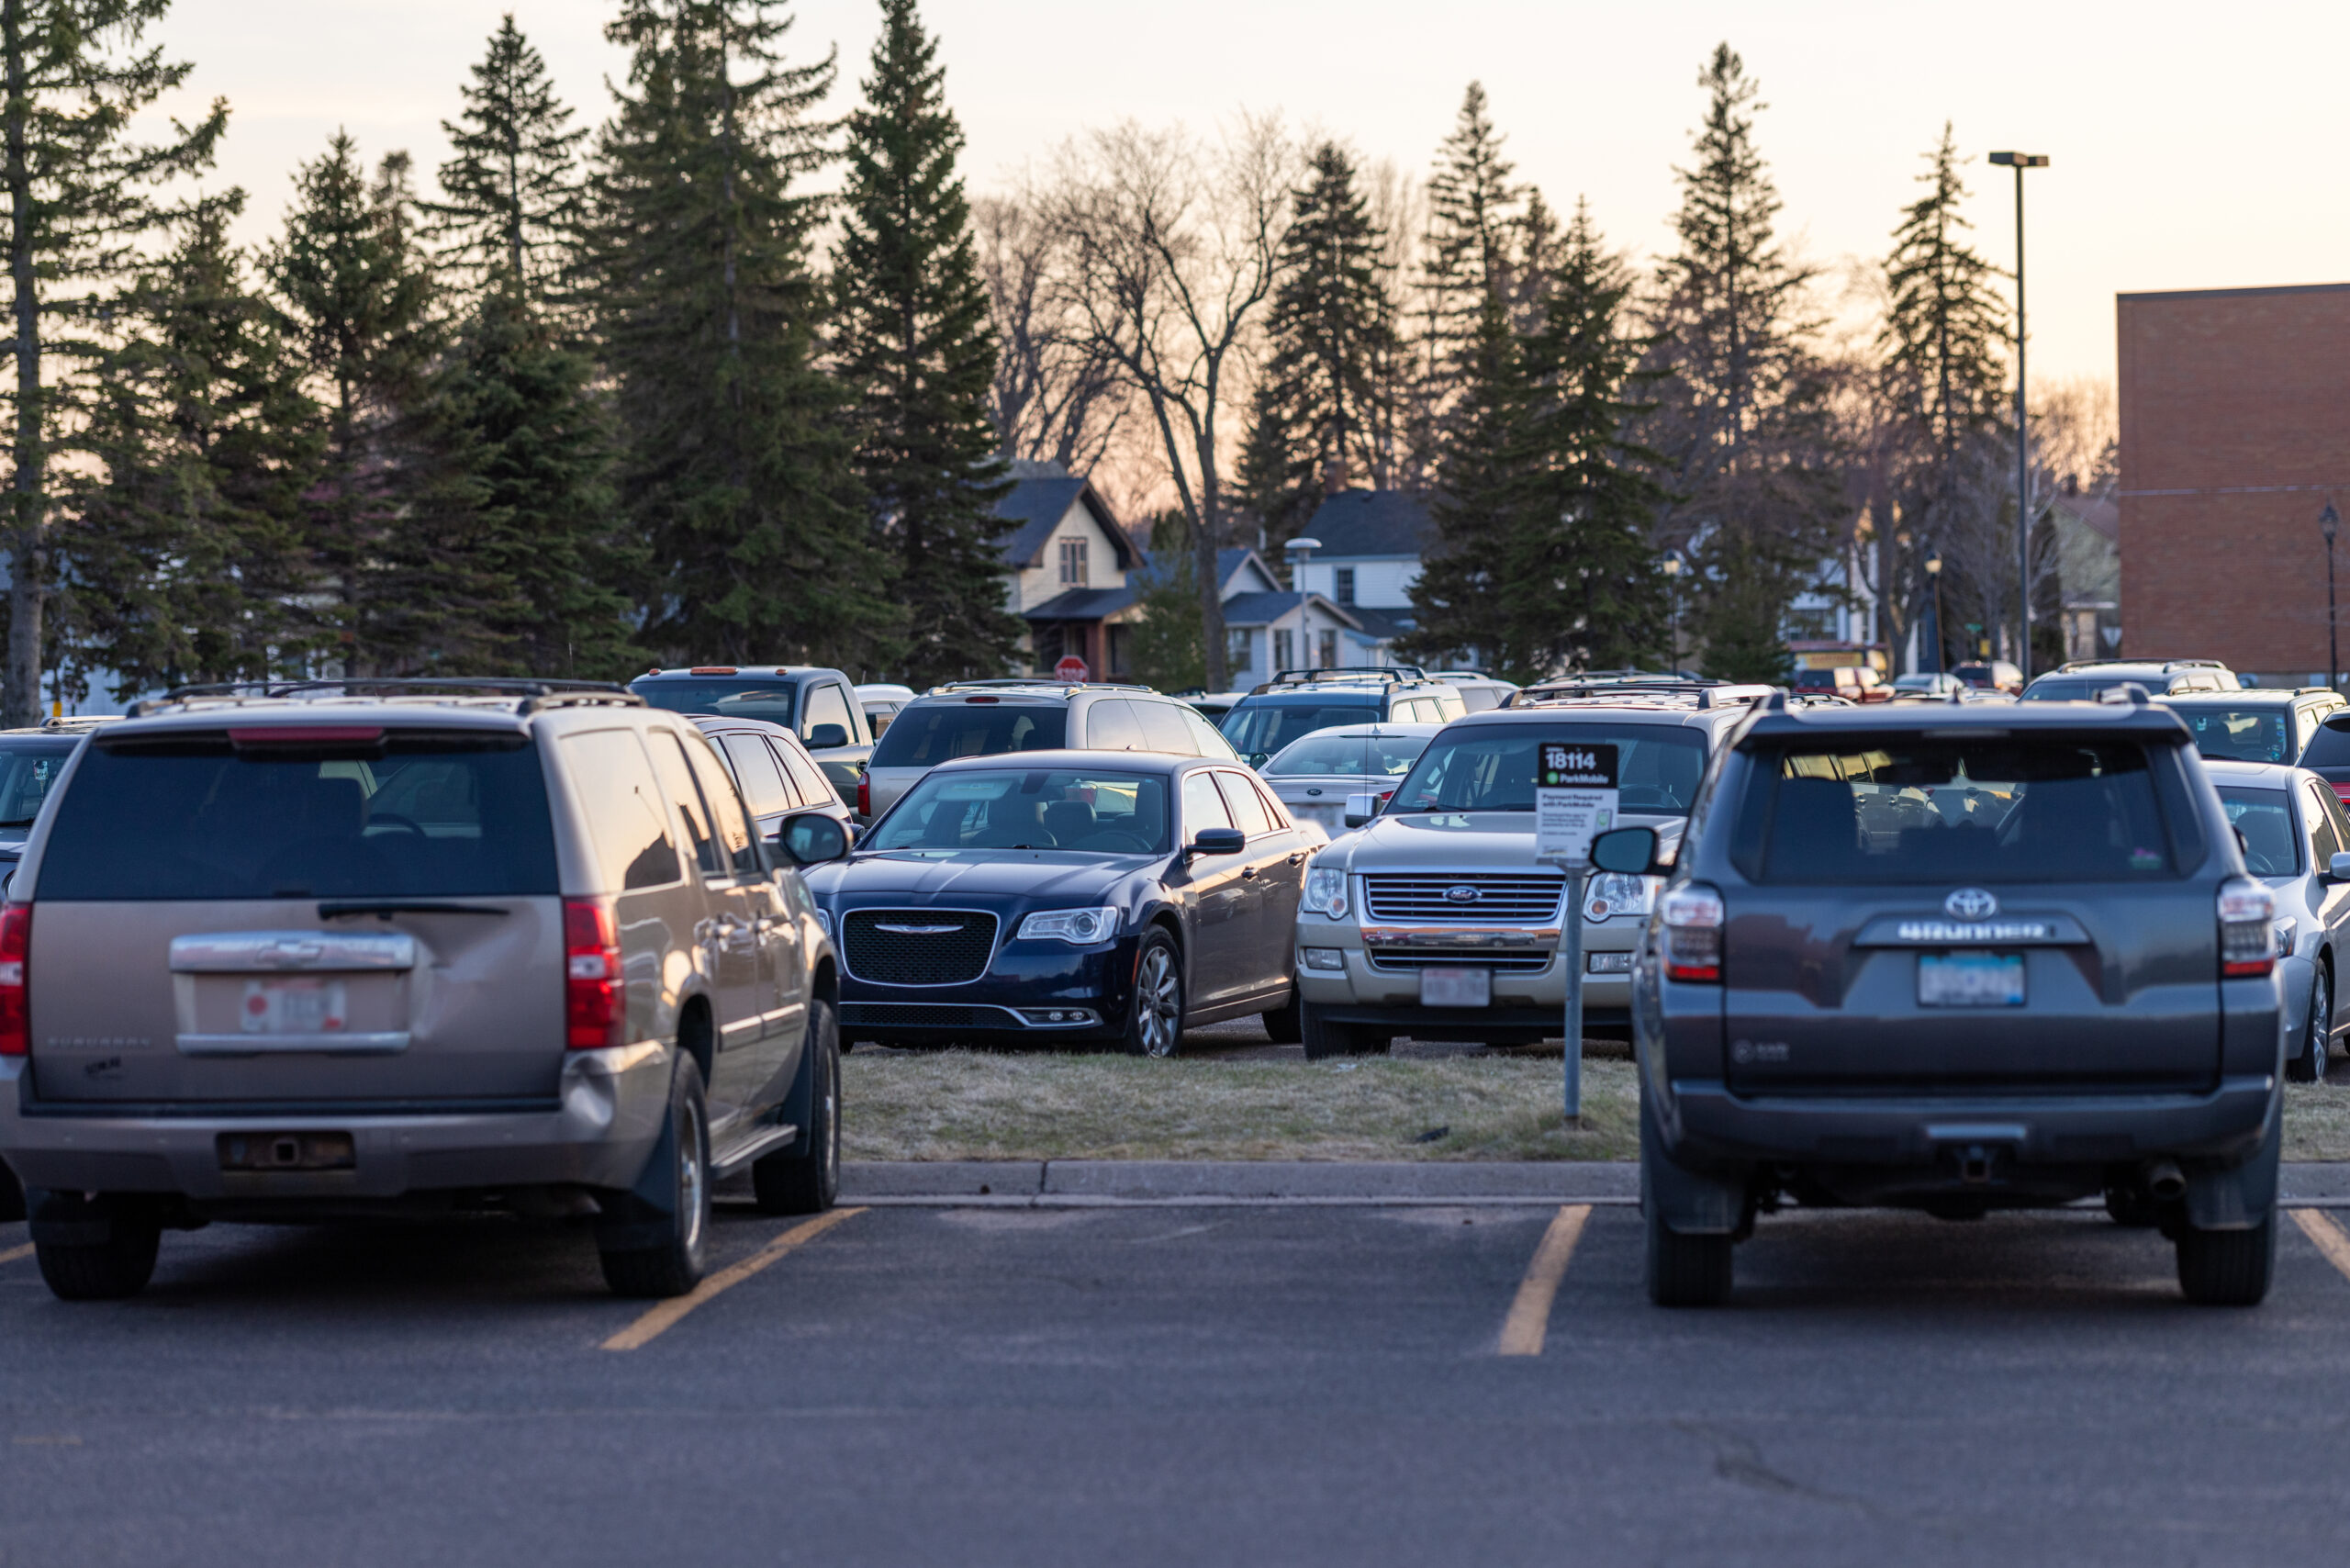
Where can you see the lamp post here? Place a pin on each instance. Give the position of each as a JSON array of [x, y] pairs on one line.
[[2328, 522], [1673, 592], [2019, 162], [1934, 573]]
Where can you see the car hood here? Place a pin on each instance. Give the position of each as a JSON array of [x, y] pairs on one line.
[[977, 873], [1461, 839]]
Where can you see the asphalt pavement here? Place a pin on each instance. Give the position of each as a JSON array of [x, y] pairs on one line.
[[1152, 1384]]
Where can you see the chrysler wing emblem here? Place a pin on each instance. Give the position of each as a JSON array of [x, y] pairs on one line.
[[1460, 892], [917, 930], [1971, 904]]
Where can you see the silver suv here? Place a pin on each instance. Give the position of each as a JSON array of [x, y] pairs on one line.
[[345, 950]]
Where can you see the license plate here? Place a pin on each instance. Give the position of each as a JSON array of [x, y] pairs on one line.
[[1970, 980], [1607, 964], [293, 1007], [1456, 988]]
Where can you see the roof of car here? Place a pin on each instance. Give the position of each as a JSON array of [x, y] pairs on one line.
[[1039, 690], [1583, 709], [1117, 761], [707, 723], [706, 671], [2278, 774], [1368, 732], [1960, 718], [2254, 694], [486, 703]]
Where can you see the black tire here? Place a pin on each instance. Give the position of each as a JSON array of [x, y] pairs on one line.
[[1685, 1271], [12, 1195], [112, 1269], [805, 1179], [1323, 1038], [1155, 1017], [2228, 1267], [1282, 1024], [2131, 1207], [2317, 1036], [674, 1265]]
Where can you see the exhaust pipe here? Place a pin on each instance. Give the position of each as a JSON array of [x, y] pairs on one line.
[[2165, 1183]]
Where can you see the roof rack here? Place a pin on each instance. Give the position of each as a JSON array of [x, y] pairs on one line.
[[1385, 674], [535, 693], [2165, 665], [1040, 680], [1708, 694]]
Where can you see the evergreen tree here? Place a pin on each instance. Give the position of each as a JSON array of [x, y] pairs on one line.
[[1315, 421], [1481, 498], [1467, 257], [511, 191], [918, 354], [82, 196], [736, 466], [1165, 650]]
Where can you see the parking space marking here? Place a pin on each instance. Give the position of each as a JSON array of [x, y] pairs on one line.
[[661, 1318], [1529, 1316], [14, 1253], [2328, 1237]]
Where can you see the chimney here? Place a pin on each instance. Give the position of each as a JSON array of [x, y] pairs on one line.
[[1334, 474]]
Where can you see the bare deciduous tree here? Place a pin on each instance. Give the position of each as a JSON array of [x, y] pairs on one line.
[[1056, 395]]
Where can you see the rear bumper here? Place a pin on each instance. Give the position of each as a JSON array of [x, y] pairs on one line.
[[597, 1131]]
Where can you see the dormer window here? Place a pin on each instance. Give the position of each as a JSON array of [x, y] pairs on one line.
[[1073, 572]]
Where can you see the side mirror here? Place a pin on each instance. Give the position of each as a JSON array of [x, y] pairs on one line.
[[2338, 868], [824, 737], [809, 839], [1628, 850], [1361, 808], [1219, 840]]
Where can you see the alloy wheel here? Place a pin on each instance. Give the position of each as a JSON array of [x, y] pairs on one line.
[[2321, 1016], [1159, 994], [692, 1151]]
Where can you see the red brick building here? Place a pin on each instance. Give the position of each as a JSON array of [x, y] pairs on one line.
[[2235, 430]]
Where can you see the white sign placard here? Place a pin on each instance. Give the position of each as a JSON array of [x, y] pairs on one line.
[[1574, 800]]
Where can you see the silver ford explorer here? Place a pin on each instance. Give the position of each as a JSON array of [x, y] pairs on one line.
[[340, 950]]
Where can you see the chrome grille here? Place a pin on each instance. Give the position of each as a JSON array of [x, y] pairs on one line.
[[1406, 959], [917, 947], [1502, 899]]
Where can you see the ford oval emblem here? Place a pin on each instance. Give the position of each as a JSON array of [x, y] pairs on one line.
[[1460, 893], [1971, 904]]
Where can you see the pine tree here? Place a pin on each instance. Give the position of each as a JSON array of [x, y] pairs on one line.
[[1481, 498], [737, 456], [1315, 421], [511, 191], [918, 353], [1467, 257], [82, 196]]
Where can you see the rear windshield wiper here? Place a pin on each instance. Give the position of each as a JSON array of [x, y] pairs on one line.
[[329, 908]]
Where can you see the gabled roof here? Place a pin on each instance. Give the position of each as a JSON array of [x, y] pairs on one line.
[[1385, 625], [1041, 495], [1234, 566], [1372, 522], [1264, 609]]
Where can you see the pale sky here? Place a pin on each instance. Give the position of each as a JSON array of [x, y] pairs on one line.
[[2193, 147]]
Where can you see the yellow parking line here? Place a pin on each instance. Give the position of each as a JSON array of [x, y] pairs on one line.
[[663, 1318], [2328, 1236], [14, 1253], [1529, 1315]]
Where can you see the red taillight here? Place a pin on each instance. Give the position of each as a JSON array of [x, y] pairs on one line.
[[1693, 916], [2342, 791], [711, 669], [2247, 929], [595, 1007], [16, 945], [864, 796]]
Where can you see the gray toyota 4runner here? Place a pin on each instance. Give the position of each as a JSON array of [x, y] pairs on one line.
[[1958, 959], [324, 956]]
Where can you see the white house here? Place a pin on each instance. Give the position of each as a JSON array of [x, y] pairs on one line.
[[1373, 543], [1067, 562]]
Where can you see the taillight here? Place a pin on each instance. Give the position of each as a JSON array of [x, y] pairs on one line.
[[2247, 929], [16, 944], [1693, 917], [2342, 791], [595, 1005], [864, 796]]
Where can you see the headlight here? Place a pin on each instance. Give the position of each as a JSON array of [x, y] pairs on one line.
[[824, 919], [1326, 891], [1618, 892], [1081, 927]]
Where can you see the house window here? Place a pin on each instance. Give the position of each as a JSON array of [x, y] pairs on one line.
[[1115, 649], [1073, 564], [1239, 649], [1346, 585], [1284, 657], [1329, 649]]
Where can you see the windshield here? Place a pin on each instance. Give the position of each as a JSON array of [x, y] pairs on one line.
[[2241, 735], [2075, 688], [924, 737], [744, 698], [1902, 808], [2264, 819], [1103, 813], [1259, 729], [1916, 682], [25, 773], [1365, 756], [1491, 769]]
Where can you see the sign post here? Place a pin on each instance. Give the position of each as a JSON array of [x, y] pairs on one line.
[[1574, 803]]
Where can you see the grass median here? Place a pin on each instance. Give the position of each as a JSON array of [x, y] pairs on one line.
[[1004, 1105]]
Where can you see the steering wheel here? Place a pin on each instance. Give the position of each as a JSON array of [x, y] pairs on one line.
[[394, 820]]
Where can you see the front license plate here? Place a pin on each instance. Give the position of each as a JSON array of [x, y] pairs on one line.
[[1970, 980], [293, 1007], [1456, 988]]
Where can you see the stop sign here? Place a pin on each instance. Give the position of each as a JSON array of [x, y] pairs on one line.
[[1071, 668]]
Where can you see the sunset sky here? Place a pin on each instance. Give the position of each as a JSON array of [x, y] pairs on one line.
[[2194, 146]]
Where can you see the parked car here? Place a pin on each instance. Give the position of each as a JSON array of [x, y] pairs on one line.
[[816, 704], [1853, 683], [2274, 725], [1435, 921], [2292, 827], [987, 717], [1957, 959], [881, 702], [2088, 679], [1315, 775], [1992, 675], [777, 777], [1070, 895], [1212, 705], [1299, 702], [30, 761], [1478, 690], [441, 947], [2328, 755]]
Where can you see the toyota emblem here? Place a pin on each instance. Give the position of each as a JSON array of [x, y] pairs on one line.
[[1462, 893], [1971, 904]]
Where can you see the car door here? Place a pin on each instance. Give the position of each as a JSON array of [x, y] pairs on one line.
[[780, 982], [2328, 831], [1274, 876], [726, 939], [1222, 933]]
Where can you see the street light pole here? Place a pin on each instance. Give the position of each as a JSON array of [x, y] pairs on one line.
[[2019, 162], [1673, 591], [2328, 522], [1934, 571]]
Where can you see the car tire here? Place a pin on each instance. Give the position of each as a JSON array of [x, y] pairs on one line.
[[112, 1267], [1325, 1039], [1154, 1018], [12, 1195], [2316, 1052], [805, 1179], [2228, 1267], [674, 1265], [1686, 1271], [1282, 1024]]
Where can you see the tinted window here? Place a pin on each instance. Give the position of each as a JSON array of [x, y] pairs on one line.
[[815, 789], [1490, 767], [1901, 809], [424, 816], [1259, 729], [2330, 747], [739, 855], [1163, 729], [2264, 819], [2324, 842], [1478, 698], [1110, 726], [2085, 689], [2240, 734], [625, 816], [1353, 756], [927, 735], [25, 773], [2335, 813], [730, 696], [1206, 740], [826, 705], [1076, 808], [1248, 814], [1203, 807], [762, 780], [678, 783]]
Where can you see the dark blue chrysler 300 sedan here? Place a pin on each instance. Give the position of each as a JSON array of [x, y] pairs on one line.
[[1095, 896]]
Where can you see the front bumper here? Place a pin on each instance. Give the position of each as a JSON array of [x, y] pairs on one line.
[[1022, 979], [609, 1110], [1375, 987]]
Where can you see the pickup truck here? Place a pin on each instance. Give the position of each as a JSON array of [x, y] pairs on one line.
[[818, 705]]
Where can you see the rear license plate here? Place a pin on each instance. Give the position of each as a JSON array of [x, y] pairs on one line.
[[1970, 980], [1456, 988], [287, 1151], [294, 1006]]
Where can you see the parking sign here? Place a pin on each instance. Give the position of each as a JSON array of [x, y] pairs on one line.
[[1574, 800]]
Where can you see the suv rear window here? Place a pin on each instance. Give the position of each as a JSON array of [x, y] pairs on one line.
[[1256, 730], [2086, 688], [422, 814], [25, 773], [728, 696], [2022, 809], [2264, 733], [925, 735], [2330, 747]]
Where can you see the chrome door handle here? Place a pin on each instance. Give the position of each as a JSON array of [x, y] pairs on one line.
[[1248, 870], [1298, 858]]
